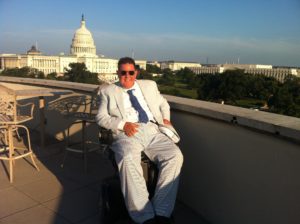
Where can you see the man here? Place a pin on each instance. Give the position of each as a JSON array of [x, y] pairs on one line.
[[132, 109]]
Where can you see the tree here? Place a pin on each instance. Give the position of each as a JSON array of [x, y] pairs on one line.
[[52, 75], [286, 99], [228, 86], [145, 75], [168, 78], [23, 72], [188, 77], [208, 88], [261, 87], [153, 69], [78, 73]]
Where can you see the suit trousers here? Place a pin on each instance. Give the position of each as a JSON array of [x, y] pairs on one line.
[[168, 158]]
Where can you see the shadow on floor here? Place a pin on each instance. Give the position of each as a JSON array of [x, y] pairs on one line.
[[57, 196]]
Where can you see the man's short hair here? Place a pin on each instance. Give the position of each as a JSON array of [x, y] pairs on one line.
[[126, 60]]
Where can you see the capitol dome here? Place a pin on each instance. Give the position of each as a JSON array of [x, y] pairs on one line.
[[83, 42]]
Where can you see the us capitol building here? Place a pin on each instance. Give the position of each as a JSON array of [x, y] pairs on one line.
[[83, 50]]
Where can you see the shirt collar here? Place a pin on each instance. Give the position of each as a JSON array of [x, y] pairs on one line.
[[135, 86]]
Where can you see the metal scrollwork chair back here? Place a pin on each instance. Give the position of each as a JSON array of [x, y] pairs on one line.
[[83, 112], [11, 119]]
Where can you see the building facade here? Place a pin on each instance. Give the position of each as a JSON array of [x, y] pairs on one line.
[[267, 70], [177, 65], [82, 50]]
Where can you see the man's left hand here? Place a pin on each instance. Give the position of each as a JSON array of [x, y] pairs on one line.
[[167, 122]]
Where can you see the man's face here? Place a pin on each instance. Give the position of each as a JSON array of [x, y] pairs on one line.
[[127, 75]]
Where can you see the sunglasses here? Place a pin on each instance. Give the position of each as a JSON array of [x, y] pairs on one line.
[[127, 72]]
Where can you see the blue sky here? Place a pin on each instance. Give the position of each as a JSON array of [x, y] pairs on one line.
[[213, 31]]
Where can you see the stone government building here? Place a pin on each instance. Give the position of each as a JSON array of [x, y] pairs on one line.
[[83, 50], [278, 73]]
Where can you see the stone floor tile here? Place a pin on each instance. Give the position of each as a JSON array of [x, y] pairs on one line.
[[92, 220], [48, 188], [38, 214], [25, 172], [76, 206], [74, 170], [12, 201], [67, 195], [4, 177]]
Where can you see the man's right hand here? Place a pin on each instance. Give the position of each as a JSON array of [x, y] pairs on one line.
[[130, 128]]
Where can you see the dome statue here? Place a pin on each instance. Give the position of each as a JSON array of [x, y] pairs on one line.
[[34, 51], [83, 42]]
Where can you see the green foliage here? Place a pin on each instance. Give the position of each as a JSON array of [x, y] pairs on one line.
[[78, 73], [153, 69], [178, 91], [52, 75], [25, 72], [168, 78], [145, 75], [188, 77], [286, 99], [250, 103], [208, 87], [233, 85], [261, 87]]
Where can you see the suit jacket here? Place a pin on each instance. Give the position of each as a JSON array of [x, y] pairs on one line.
[[111, 110]]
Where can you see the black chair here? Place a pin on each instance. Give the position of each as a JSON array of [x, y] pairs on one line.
[[84, 113]]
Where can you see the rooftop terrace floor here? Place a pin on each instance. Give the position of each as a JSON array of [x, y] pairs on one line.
[[56, 195]]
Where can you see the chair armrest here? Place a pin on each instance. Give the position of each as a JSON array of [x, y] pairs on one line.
[[105, 136], [71, 105], [27, 105]]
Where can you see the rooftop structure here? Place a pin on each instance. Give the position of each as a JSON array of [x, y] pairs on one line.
[[241, 166]]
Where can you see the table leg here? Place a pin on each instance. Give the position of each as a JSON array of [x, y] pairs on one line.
[[11, 153], [42, 121]]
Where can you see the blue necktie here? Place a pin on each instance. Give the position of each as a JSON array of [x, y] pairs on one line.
[[143, 118]]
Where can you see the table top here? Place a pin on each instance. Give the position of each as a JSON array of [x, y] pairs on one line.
[[35, 91], [40, 92]]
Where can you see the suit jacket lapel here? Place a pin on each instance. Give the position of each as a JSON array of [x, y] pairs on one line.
[[119, 99], [147, 95]]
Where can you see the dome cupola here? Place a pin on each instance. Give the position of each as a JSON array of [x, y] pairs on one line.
[[83, 42]]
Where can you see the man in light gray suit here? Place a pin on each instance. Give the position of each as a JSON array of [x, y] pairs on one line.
[[132, 109]]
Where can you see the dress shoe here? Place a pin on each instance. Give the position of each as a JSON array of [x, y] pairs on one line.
[[163, 220], [150, 221]]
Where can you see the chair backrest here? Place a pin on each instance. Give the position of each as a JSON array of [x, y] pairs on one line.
[[94, 103], [86, 105], [8, 108]]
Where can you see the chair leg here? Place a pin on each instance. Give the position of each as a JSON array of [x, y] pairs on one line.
[[10, 153], [5, 138], [64, 159], [84, 148], [12, 145], [30, 149], [18, 135], [67, 144], [11, 177]]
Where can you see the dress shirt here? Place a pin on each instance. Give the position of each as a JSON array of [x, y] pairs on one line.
[[131, 115]]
